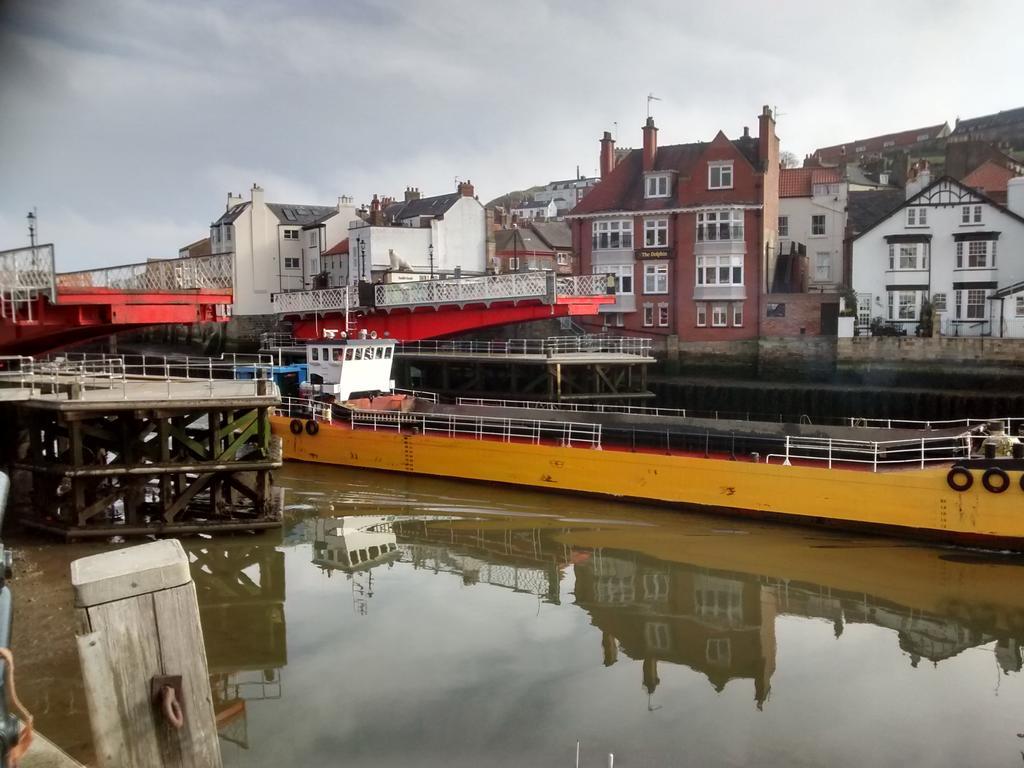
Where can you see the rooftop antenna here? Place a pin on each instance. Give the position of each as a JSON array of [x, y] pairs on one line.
[[32, 219], [776, 114], [651, 97]]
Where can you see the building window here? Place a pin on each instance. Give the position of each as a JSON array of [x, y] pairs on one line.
[[227, 233], [904, 305], [823, 267], [861, 148], [613, 234], [720, 270], [313, 239], [737, 314], [291, 262], [655, 278], [917, 217], [623, 274], [513, 263], [775, 310], [719, 315], [818, 225], [923, 137], [1020, 306], [657, 186], [655, 232], [720, 225], [907, 256], [648, 315], [663, 315], [981, 254], [939, 302], [887, 144], [562, 259], [720, 175], [291, 234], [783, 226], [719, 651], [702, 314], [216, 235], [970, 304], [970, 214], [864, 310]]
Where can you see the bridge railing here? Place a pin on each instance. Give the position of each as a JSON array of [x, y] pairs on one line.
[[552, 345], [159, 275], [543, 285], [320, 300], [25, 274]]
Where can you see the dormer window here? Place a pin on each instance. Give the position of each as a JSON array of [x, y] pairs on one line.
[[657, 186], [917, 217], [720, 175]]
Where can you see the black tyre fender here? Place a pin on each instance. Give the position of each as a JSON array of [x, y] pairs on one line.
[[312, 427], [959, 478], [1000, 485], [295, 426]]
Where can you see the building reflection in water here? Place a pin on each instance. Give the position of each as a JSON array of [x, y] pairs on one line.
[[241, 590], [718, 622]]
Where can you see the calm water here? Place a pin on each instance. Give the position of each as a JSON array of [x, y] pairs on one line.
[[408, 621]]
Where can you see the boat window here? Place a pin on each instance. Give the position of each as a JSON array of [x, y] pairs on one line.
[[380, 353], [348, 353], [323, 354], [337, 354], [374, 551], [387, 353], [362, 556], [316, 354]]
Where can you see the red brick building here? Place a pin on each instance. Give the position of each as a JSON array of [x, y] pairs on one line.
[[684, 229]]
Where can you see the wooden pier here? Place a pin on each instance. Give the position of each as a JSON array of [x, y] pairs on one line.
[[106, 446]]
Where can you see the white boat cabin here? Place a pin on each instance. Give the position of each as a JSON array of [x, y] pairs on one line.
[[344, 367]]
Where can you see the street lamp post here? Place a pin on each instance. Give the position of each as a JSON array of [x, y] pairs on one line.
[[362, 259], [430, 257]]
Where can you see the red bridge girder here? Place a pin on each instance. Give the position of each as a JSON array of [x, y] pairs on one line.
[[422, 323]]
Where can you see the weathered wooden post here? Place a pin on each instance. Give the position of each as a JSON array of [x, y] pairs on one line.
[[141, 651]]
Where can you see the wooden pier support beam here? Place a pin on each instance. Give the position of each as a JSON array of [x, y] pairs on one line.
[[139, 617]]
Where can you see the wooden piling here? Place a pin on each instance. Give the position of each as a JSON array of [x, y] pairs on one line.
[[139, 620]]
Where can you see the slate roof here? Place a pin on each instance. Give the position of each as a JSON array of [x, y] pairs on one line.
[[526, 204], [1005, 117], [521, 240], [555, 233], [230, 214], [623, 188], [425, 206], [864, 209], [301, 215], [799, 182], [877, 143]]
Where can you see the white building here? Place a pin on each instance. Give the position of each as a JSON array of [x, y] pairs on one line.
[[531, 210], [565, 193], [954, 247], [276, 246], [417, 238], [812, 213]]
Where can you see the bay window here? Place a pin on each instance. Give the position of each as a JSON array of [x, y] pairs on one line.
[[655, 232], [655, 278], [980, 254], [613, 234], [904, 305], [970, 304], [720, 225], [724, 269], [623, 274], [907, 256]]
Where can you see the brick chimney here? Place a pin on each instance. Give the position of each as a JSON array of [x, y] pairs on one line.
[[607, 153], [412, 193], [376, 218], [650, 144], [466, 188], [767, 141]]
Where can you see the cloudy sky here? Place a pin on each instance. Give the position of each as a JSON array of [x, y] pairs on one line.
[[127, 122]]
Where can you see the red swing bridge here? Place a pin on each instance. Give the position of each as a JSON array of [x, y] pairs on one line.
[[426, 309]]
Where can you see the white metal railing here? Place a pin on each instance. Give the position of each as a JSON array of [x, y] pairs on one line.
[[186, 274], [127, 374], [570, 406], [304, 408], [469, 289], [25, 274], [544, 285], [281, 341], [1008, 422], [320, 300], [876, 454], [553, 345], [536, 431]]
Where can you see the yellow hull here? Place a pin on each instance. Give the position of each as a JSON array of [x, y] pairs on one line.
[[915, 502]]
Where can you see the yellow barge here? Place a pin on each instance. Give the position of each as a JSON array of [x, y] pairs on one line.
[[949, 482]]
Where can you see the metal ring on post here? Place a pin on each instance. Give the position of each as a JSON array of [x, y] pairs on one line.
[[171, 707]]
